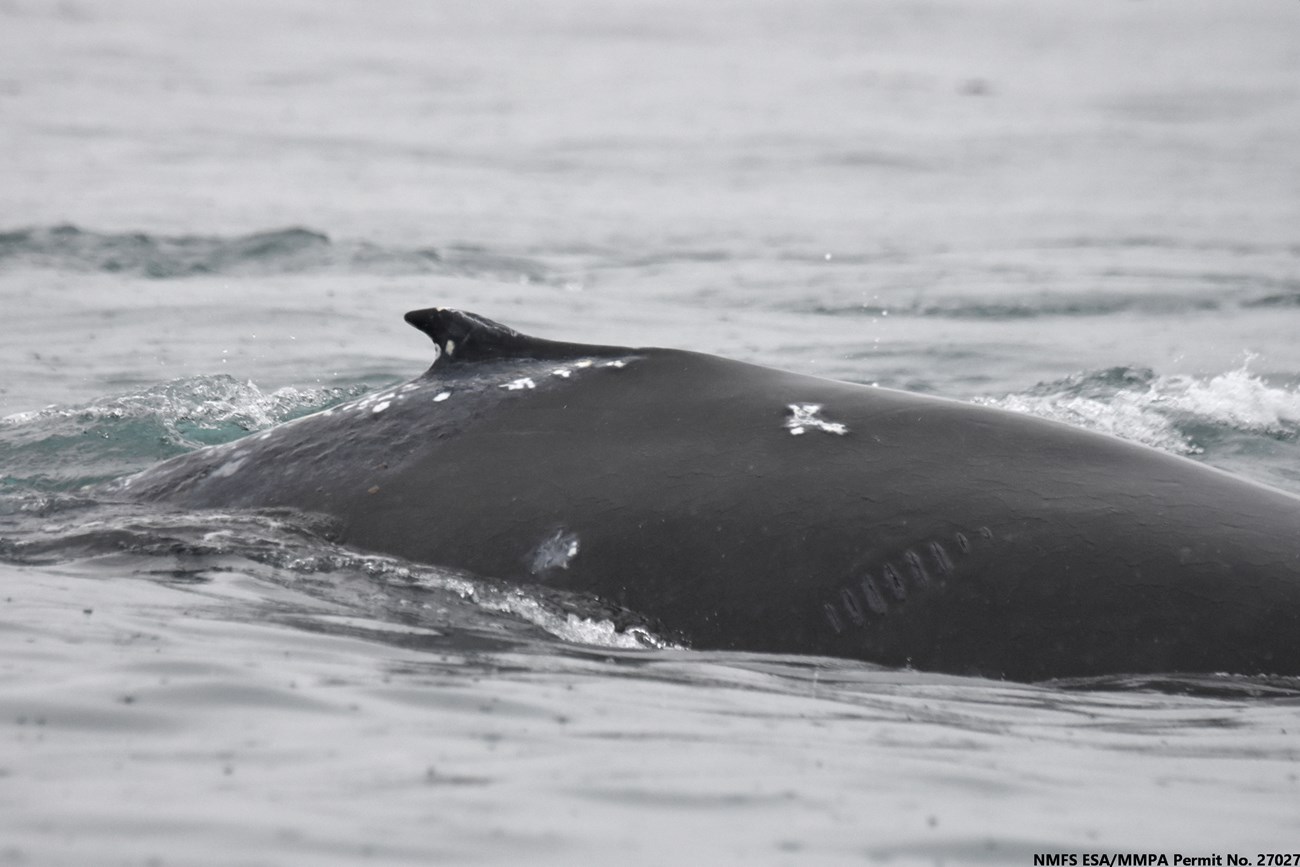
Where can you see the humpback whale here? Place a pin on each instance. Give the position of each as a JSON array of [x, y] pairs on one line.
[[744, 507]]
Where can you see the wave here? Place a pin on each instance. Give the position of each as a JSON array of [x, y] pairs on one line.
[[1046, 304], [279, 251], [1177, 413], [1072, 277], [61, 448]]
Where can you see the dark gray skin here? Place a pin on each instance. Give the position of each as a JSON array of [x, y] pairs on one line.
[[930, 533]]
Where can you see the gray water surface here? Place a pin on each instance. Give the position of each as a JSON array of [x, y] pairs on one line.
[[212, 217]]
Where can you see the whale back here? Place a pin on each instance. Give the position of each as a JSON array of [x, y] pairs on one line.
[[750, 508]]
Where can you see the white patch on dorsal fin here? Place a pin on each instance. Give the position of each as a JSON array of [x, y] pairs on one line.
[[465, 338]]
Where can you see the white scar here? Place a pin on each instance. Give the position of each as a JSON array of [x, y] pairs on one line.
[[804, 417]]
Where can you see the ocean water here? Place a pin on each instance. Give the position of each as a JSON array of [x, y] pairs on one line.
[[212, 217]]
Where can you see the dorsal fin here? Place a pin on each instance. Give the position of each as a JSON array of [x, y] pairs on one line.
[[463, 337]]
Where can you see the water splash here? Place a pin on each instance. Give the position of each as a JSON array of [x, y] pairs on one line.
[[57, 448], [1175, 413], [1236, 399]]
